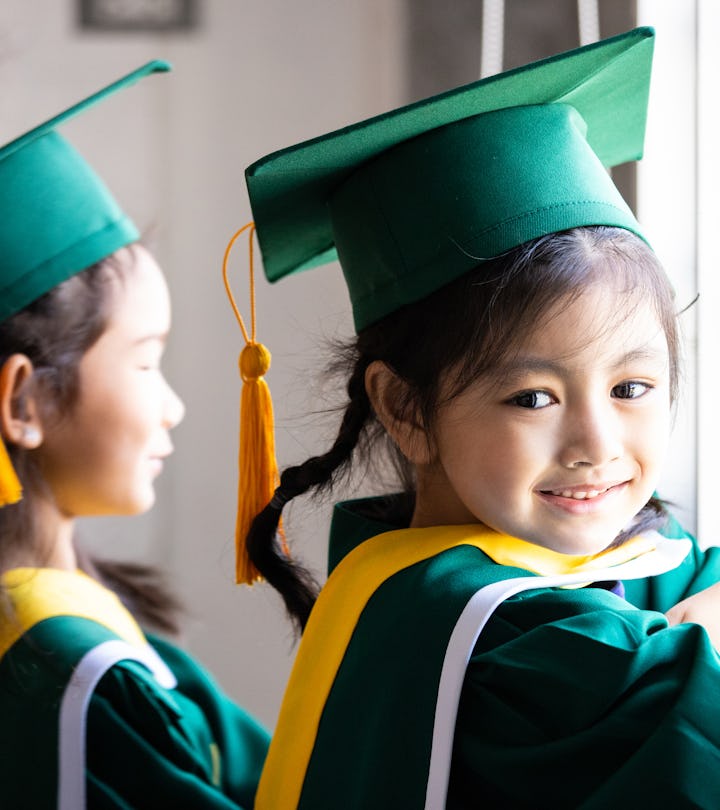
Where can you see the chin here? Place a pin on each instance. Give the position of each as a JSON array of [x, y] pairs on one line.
[[579, 543], [137, 504], [595, 544], [146, 505]]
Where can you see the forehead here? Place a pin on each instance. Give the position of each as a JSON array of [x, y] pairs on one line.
[[140, 298], [603, 321], [138, 312]]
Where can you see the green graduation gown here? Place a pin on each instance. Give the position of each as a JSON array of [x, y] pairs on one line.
[[570, 697], [177, 742]]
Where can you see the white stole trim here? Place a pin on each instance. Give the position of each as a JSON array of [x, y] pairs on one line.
[[667, 555], [73, 711]]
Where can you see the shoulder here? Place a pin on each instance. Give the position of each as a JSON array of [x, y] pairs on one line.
[[588, 613], [45, 655], [34, 676], [601, 687], [70, 653]]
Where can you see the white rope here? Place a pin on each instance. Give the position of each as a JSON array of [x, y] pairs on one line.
[[588, 21], [493, 35]]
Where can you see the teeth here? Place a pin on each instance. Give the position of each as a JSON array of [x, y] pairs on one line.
[[578, 495]]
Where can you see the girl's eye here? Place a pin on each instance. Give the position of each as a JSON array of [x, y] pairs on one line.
[[630, 390], [149, 362], [532, 399]]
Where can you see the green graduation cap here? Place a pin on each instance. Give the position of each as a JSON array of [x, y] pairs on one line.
[[413, 199], [56, 215]]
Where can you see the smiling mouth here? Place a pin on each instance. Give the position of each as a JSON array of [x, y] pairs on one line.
[[579, 494]]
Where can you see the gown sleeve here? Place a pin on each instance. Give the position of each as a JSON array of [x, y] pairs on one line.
[[576, 699], [190, 747]]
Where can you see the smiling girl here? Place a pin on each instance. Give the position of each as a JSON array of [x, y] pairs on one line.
[[94, 712], [493, 635]]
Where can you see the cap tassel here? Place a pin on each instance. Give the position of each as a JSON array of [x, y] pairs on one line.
[[258, 470], [10, 487]]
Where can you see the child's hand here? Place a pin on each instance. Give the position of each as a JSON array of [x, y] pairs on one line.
[[702, 608]]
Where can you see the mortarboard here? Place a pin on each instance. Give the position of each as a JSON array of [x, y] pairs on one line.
[[57, 216], [412, 199]]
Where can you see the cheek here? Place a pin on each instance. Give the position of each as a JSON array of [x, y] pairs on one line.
[[490, 452], [653, 435], [124, 409], [113, 435]]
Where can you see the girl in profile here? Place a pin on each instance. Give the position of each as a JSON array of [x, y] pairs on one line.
[[96, 712]]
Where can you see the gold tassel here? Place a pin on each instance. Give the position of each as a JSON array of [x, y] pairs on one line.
[[257, 465], [10, 487]]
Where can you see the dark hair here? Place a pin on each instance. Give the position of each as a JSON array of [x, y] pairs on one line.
[[451, 339], [54, 332]]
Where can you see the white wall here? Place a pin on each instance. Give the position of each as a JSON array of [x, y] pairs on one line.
[[256, 76]]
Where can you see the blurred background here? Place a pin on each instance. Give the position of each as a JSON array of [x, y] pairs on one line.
[[251, 76]]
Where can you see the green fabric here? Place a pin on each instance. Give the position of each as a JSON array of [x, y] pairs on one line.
[[414, 198], [147, 747], [573, 698], [56, 215]]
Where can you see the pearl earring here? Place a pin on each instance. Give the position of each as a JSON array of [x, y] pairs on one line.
[[31, 435]]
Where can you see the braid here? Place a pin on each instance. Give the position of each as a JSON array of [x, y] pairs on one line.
[[293, 581]]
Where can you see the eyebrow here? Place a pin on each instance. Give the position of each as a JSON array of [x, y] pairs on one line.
[[525, 365], [160, 336]]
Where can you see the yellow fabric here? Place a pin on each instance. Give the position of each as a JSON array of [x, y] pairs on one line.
[[521, 554], [10, 488], [40, 593], [258, 471], [338, 610], [216, 758]]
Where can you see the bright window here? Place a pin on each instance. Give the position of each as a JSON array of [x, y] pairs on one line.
[[670, 192]]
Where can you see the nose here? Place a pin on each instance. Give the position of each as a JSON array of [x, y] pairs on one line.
[[174, 408], [592, 436]]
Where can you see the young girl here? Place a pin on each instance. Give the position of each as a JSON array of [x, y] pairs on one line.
[[494, 635], [94, 712]]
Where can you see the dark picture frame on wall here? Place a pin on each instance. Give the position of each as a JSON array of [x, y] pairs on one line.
[[154, 16]]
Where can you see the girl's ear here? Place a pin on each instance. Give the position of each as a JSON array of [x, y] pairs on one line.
[[19, 415], [387, 392]]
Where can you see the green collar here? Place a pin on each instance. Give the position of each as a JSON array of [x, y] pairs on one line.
[[356, 521]]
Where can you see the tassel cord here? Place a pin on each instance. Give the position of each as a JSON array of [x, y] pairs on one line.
[[257, 465], [249, 339]]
